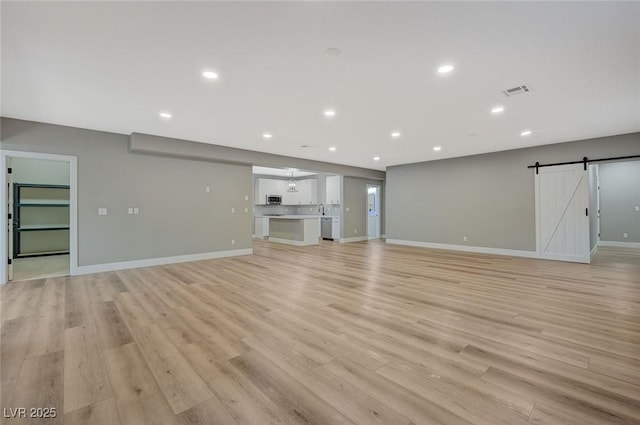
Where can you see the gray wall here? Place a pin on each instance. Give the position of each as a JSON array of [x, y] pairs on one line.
[[164, 146], [354, 195], [619, 195], [593, 206], [488, 198], [177, 216]]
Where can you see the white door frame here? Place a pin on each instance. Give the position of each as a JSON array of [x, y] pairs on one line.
[[377, 217], [538, 217], [73, 205], [597, 211]]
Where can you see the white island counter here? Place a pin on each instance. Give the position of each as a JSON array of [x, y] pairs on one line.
[[298, 230]]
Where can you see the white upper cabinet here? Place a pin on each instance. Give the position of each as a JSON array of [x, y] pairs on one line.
[[307, 193], [269, 187], [290, 198], [333, 190]]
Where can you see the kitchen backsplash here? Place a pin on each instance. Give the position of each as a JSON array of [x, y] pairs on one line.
[[297, 210]]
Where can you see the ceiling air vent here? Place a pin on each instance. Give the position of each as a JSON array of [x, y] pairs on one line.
[[306, 146], [515, 90]]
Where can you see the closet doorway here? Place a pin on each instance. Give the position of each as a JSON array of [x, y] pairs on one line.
[[41, 215]]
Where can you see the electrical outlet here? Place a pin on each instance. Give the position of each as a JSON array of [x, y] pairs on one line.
[[637, 208], [355, 231], [207, 189], [233, 241], [347, 209], [246, 210], [625, 235], [464, 238], [233, 210], [246, 197]]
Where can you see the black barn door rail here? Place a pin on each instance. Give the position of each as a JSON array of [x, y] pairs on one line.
[[584, 161]]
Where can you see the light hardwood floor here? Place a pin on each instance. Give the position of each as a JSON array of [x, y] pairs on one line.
[[362, 333]]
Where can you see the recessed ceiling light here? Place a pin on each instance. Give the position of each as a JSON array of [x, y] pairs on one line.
[[210, 75], [445, 69], [267, 136], [329, 113], [497, 109], [437, 148], [165, 115], [525, 133], [376, 158], [332, 148], [395, 134]]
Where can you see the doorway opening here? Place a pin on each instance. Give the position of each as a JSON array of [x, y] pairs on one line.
[[373, 211], [589, 215], [40, 208], [616, 189]]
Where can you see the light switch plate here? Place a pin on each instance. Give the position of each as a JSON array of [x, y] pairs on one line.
[[246, 210], [129, 210], [246, 197], [102, 211], [233, 210], [136, 211], [637, 208]]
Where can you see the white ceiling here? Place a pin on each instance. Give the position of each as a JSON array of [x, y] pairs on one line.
[[281, 172], [114, 66]]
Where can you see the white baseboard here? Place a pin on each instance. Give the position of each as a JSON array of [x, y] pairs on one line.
[[466, 248], [354, 239], [619, 244], [383, 236], [99, 268]]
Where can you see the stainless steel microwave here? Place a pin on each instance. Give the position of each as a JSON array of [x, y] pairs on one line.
[[274, 199]]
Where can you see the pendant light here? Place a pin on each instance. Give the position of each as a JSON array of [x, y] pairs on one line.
[[292, 184]]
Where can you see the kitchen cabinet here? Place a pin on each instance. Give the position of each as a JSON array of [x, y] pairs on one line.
[[335, 228], [333, 190], [307, 193], [269, 187], [261, 228]]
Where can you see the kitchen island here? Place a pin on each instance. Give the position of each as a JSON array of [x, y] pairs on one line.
[[301, 230]]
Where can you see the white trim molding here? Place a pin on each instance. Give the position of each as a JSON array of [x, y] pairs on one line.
[[109, 267], [466, 248], [594, 250], [619, 244], [73, 204], [354, 239]]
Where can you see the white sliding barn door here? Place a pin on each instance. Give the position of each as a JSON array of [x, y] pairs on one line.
[[562, 223]]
